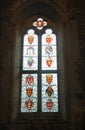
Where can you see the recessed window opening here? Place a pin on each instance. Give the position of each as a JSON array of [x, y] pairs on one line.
[[39, 77]]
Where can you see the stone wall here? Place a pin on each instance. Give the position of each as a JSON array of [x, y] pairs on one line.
[[75, 59]]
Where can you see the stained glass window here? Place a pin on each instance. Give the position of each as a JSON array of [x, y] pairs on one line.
[[39, 79]]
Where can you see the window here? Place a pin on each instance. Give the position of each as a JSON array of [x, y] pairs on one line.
[[39, 77], [25, 21]]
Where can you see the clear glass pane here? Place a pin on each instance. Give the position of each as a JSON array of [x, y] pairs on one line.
[[49, 93], [30, 51], [29, 93], [49, 51]]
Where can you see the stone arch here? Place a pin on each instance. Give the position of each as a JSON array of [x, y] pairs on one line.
[[22, 8], [28, 9]]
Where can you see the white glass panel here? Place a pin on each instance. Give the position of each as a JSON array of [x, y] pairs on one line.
[[30, 52], [49, 49], [49, 92], [30, 95]]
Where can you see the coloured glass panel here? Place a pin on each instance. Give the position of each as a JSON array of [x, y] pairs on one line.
[[40, 23], [49, 51], [49, 93], [29, 93], [30, 51]]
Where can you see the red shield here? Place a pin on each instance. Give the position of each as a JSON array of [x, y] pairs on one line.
[[29, 92], [29, 104], [48, 39], [49, 104], [49, 61], [49, 78], [30, 79]]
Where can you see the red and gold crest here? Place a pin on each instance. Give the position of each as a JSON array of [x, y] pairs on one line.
[[49, 61], [30, 39], [30, 79], [49, 91], [49, 78], [29, 91], [48, 39], [29, 104], [49, 104]]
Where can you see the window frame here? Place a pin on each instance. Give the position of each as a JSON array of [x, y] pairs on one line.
[[39, 71], [16, 114]]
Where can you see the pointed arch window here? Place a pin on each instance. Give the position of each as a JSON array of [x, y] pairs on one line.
[[39, 77]]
